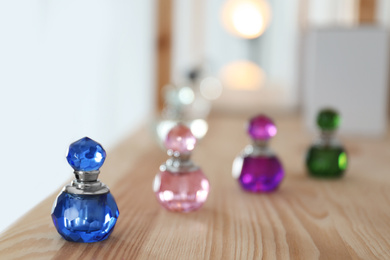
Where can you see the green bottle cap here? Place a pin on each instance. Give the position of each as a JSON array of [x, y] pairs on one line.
[[328, 119]]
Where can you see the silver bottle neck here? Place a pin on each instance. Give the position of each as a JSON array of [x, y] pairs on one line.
[[179, 163], [258, 148], [327, 138], [86, 183]]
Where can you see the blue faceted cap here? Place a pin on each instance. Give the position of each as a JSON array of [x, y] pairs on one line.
[[86, 155]]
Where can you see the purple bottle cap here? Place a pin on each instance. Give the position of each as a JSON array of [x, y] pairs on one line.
[[261, 127]]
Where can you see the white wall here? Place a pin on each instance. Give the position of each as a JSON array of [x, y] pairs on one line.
[[327, 13], [347, 69], [68, 69], [279, 55], [382, 12], [332, 12], [188, 36], [356, 57]]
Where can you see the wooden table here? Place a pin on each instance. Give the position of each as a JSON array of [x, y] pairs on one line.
[[305, 219]]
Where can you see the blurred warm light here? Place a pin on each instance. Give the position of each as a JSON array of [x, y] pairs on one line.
[[168, 195], [98, 157], [243, 75], [162, 129], [237, 167], [211, 88], [186, 95], [246, 18], [199, 128], [157, 183]]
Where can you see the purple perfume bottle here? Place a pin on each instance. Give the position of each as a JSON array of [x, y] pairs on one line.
[[257, 168]]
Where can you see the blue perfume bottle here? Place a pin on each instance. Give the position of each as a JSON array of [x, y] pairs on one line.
[[85, 211]]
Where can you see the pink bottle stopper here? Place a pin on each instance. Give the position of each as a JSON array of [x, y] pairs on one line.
[[180, 139], [180, 185]]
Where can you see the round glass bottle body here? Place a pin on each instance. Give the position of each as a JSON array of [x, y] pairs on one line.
[[326, 159], [258, 169], [181, 191], [84, 218]]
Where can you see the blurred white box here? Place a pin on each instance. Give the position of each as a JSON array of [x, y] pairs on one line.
[[347, 69]]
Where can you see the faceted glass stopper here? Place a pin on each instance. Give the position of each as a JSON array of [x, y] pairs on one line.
[[183, 191], [180, 139], [84, 218], [261, 127], [328, 119], [86, 155]]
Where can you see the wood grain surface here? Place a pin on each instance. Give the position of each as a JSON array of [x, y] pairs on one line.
[[305, 219]]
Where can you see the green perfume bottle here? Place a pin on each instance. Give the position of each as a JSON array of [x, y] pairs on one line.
[[327, 158]]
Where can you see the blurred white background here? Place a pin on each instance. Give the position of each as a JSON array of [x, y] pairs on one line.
[[68, 69], [200, 38]]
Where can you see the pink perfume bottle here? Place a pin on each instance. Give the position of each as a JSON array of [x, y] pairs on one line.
[[180, 185]]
